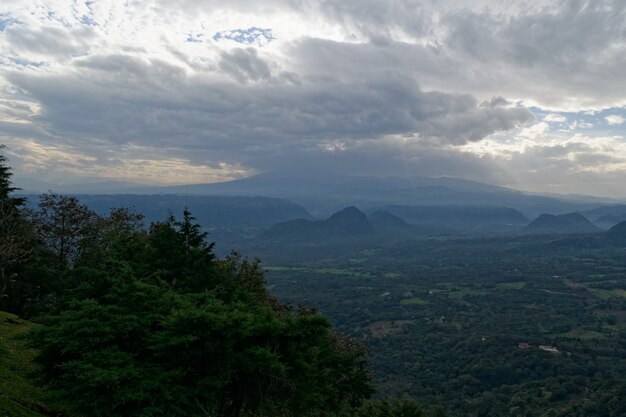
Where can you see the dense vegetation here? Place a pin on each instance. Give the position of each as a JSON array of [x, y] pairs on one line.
[[147, 321], [444, 319]]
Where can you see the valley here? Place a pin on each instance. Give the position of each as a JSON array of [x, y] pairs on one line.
[[444, 321]]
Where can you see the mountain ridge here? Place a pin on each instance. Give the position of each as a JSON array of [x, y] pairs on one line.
[[323, 193]]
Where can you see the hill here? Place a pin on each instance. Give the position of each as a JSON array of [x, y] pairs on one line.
[[604, 210], [564, 223], [348, 222], [609, 220], [617, 233]]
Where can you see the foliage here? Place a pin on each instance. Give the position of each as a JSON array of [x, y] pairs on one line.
[[159, 326], [6, 188], [16, 234], [481, 298], [63, 223]]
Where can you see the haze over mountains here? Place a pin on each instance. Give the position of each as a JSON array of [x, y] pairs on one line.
[[323, 193], [299, 206]]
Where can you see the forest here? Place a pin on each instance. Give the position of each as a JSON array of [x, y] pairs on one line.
[[523, 326]]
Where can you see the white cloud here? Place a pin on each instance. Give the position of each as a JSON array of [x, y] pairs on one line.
[[615, 119], [556, 118]]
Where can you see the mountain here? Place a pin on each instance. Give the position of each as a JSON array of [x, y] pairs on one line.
[[348, 222], [606, 216], [326, 192], [604, 210], [617, 233], [609, 220], [564, 223]]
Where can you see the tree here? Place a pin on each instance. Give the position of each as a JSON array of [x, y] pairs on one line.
[[63, 224], [180, 254], [16, 235], [6, 187], [16, 239], [197, 336], [117, 232]]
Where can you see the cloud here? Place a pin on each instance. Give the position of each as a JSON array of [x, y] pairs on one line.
[[406, 86], [556, 118], [245, 65], [615, 119], [47, 42], [126, 99]]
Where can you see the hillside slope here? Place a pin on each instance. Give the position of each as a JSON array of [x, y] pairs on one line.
[[19, 397], [564, 223]]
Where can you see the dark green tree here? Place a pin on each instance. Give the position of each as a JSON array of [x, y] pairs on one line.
[[180, 255], [6, 187], [168, 329], [16, 234]]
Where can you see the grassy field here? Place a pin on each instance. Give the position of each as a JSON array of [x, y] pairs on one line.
[[581, 333], [413, 301], [606, 294]]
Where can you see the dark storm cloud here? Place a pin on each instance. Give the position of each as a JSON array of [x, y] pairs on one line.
[[397, 87], [571, 48], [563, 53], [244, 65], [372, 157], [130, 100]]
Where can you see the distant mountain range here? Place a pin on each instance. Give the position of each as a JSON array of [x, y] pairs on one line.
[[352, 223], [326, 192]]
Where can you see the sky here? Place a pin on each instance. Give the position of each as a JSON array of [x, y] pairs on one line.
[[525, 94]]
